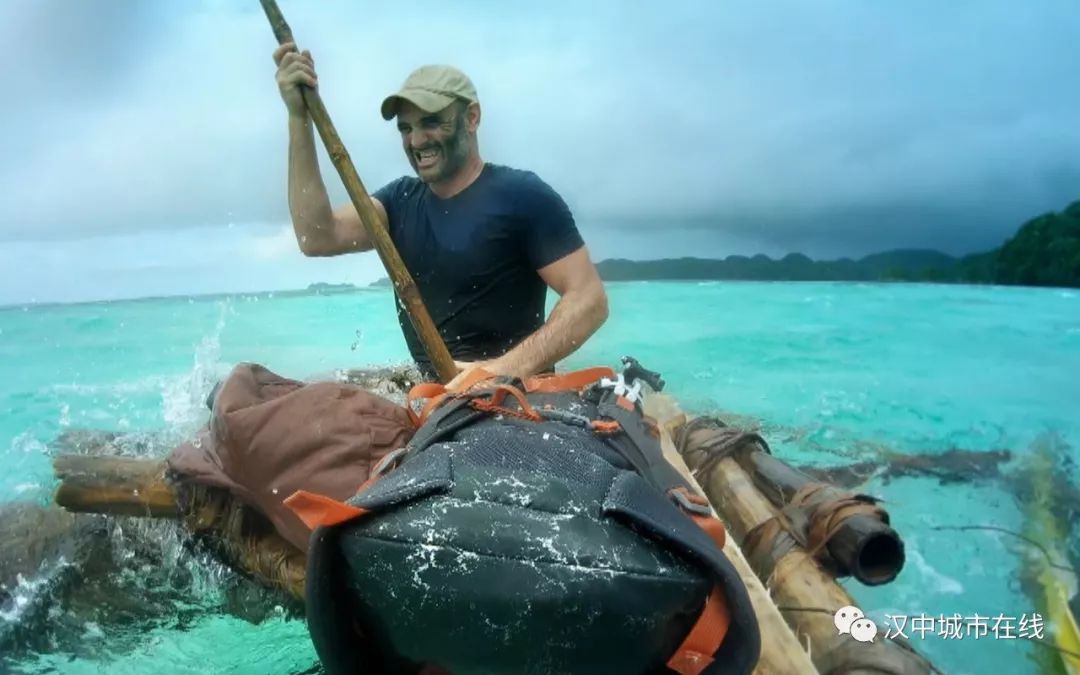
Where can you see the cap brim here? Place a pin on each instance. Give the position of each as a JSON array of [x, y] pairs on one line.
[[425, 100]]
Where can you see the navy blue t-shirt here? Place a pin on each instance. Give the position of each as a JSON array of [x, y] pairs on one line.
[[475, 257]]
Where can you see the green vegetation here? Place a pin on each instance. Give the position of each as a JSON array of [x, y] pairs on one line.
[[1045, 251]]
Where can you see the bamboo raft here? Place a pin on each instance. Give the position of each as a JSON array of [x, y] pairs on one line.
[[792, 586]]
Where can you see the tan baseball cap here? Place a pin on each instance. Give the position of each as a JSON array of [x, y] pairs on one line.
[[431, 88]]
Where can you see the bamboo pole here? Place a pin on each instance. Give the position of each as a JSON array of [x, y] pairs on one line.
[[862, 545], [805, 594], [380, 238], [781, 652]]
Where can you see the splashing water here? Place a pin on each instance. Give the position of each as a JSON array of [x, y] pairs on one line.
[[184, 398]]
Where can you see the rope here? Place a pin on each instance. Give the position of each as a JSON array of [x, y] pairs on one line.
[[812, 517], [722, 442]]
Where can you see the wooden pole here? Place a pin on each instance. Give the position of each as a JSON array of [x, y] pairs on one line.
[[380, 238], [139, 487], [121, 486], [805, 593]]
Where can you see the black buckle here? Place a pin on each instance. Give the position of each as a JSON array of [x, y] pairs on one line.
[[684, 501]]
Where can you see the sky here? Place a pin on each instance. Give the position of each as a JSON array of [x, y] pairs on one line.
[[144, 144]]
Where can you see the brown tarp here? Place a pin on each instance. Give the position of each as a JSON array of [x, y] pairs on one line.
[[269, 436]]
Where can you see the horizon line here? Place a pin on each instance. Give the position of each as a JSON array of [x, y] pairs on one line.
[[376, 285]]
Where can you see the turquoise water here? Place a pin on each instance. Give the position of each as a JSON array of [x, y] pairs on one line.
[[833, 372]]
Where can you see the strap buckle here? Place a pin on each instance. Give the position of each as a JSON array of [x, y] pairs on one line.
[[631, 392], [683, 499]]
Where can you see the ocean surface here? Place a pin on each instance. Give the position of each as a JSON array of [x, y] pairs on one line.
[[831, 373]]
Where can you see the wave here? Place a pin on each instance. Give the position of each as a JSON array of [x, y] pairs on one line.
[[184, 398]]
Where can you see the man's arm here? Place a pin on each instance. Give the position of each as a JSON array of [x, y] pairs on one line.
[[581, 310], [320, 229], [553, 247]]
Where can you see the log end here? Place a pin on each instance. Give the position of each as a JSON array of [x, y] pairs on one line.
[[878, 558], [123, 486]]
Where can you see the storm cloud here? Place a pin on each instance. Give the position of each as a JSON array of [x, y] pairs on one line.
[[836, 128]]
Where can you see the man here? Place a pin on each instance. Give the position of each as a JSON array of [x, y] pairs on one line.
[[483, 242]]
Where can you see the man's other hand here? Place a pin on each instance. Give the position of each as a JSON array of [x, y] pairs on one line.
[[493, 366]]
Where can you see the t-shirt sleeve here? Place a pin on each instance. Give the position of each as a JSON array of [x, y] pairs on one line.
[[389, 196], [550, 232]]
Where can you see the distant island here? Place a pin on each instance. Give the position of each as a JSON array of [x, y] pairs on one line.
[[327, 289], [1045, 251]]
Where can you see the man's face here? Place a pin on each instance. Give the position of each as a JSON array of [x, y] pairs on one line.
[[435, 143]]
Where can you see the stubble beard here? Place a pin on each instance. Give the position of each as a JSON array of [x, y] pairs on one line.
[[453, 155]]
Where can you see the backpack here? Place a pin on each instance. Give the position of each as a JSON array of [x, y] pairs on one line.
[[527, 527]]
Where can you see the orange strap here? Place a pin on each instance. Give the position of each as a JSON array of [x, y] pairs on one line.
[[605, 426], [572, 381], [475, 376], [499, 393], [696, 652], [435, 393], [712, 525], [318, 510], [315, 509]]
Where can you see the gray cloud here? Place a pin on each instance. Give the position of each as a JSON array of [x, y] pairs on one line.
[[837, 129]]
